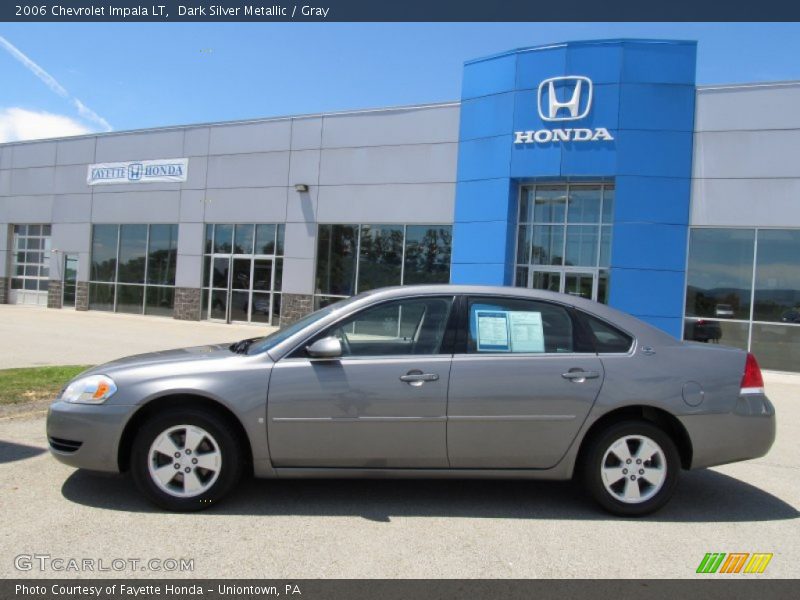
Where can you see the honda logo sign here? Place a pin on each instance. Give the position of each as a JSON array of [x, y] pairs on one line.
[[577, 102], [567, 98]]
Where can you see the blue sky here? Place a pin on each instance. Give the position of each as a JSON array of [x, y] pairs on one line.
[[132, 76]]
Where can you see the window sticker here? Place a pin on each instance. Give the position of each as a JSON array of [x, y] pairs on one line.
[[493, 331], [527, 331]]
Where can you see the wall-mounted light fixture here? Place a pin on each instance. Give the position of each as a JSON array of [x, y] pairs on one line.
[[301, 187]]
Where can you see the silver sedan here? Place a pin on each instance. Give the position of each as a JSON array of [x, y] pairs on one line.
[[424, 381]]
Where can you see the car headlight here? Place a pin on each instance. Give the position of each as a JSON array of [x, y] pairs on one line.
[[94, 389]]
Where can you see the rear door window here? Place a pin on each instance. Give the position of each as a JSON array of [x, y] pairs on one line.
[[513, 326]]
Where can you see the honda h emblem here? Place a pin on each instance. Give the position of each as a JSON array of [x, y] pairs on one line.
[[565, 98]]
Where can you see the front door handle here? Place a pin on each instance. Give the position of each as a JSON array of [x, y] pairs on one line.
[[416, 377], [579, 375]]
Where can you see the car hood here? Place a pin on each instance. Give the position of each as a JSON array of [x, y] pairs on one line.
[[212, 352]]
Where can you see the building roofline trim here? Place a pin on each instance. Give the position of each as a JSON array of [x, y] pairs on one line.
[[741, 86], [596, 42], [321, 115]]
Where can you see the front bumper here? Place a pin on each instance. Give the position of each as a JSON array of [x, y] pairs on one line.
[[746, 433], [87, 436]]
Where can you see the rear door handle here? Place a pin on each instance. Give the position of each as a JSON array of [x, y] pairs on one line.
[[579, 375], [416, 378]]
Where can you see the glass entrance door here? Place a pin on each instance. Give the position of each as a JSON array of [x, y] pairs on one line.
[[241, 289], [70, 280], [587, 284], [580, 284]]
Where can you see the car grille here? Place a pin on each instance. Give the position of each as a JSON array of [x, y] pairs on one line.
[[62, 445]]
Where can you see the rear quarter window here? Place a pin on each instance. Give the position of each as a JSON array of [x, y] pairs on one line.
[[606, 337]]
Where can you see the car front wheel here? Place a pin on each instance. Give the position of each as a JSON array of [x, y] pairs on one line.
[[631, 468], [186, 460]]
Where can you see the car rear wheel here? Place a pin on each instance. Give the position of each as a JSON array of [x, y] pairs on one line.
[[186, 460], [631, 468]]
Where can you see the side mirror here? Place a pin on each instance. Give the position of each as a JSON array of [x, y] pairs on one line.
[[329, 347]]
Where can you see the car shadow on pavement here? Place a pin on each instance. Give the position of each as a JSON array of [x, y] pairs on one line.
[[702, 496], [11, 451]]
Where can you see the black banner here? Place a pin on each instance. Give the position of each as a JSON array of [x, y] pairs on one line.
[[714, 588], [402, 10]]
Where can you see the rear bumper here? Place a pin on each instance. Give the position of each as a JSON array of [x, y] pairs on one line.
[[87, 436], [746, 433]]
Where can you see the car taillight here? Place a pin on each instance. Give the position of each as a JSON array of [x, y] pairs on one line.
[[752, 381]]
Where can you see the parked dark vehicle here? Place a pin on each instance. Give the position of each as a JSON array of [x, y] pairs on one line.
[[424, 381], [703, 330], [791, 316]]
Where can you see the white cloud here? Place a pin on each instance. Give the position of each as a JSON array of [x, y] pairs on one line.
[[21, 124], [50, 81]]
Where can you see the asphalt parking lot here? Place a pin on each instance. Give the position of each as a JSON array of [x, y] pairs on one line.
[[309, 529]]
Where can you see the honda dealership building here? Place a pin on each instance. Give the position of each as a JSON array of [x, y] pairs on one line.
[[594, 168]]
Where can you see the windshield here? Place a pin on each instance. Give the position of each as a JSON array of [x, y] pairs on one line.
[[275, 338]]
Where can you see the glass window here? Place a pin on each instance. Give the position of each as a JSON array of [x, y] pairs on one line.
[[720, 272], [381, 256], [223, 239], [521, 279], [265, 239], [337, 246], [605, 246], [104, 252], [777, 290], [130, 298], [511, 325], [404, 327], [427, 254], [101, 296], [566, 225], [132, 253], [729, 333], [209, 244], [584, 204], [243, 239], [159, 301], [582, 245], [550, 204], [547, 280], [220, 275], [162, 254], [603, 287], [524, 244], [776, 346], [608, 204], [548, 245], [280, 235], [606, 337], [278, 274]]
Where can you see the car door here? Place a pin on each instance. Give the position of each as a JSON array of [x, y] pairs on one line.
[[382, 404], [521, 384]]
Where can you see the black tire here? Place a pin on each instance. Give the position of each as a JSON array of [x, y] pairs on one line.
[[593, 464], [224, 436]]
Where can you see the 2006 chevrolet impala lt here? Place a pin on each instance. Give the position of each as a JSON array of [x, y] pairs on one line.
[[424, 381]]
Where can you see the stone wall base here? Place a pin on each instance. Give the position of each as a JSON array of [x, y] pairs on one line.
[[54, 294], [82, 295], [187, 304], [295, 307]]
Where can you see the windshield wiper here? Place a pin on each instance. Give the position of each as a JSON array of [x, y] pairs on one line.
[[241, 346]]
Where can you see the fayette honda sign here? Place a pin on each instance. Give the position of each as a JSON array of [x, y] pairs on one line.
[[564, 99], [143, 171]]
